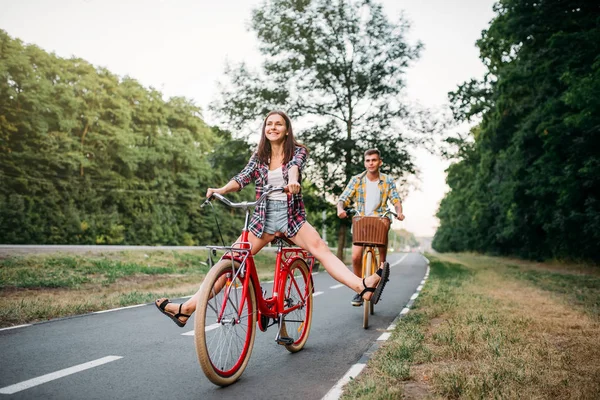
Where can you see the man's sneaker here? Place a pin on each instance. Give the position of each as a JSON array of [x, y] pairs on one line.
[[357, 301]]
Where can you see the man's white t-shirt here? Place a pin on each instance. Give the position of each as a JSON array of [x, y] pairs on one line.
[[373, 196]]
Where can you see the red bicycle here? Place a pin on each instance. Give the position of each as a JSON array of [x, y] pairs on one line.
[[232, 303]]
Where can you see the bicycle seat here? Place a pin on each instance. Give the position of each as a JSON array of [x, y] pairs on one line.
[[280, 237]]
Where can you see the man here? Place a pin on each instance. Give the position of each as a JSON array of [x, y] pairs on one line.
[[369, 193]]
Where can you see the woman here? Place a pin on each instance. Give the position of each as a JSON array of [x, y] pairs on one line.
[[278, 162]]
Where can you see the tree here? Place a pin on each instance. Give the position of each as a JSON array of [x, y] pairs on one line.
[[337, 68], [89, 157], [532, 169]]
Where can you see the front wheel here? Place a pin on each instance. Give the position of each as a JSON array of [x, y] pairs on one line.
[[298, 305], [225, 324], [369, 264]]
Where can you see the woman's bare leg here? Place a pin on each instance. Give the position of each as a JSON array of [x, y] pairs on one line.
[[308, 238], [189, 306]]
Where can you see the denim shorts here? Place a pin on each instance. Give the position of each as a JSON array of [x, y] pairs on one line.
[[277, 216]]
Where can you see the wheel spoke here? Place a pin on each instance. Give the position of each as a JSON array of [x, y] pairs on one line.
[[298, 305], [224, 348]]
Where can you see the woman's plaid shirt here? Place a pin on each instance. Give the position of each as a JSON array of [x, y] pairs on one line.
[[356, 192], [258, 172]]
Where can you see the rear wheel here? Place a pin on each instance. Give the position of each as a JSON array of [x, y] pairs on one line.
[[225, 324], [298, 292]]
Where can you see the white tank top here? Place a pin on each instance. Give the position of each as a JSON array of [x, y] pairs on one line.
[[275, 179]]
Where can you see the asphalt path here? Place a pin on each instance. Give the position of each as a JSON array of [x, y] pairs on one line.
[[138, 353]]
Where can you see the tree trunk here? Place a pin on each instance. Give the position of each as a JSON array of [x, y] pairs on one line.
[[341, 242], [85, 131]]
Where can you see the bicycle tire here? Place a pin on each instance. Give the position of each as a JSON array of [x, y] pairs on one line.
[[369, 262], [298, 290], [224, 347], [374, 266]]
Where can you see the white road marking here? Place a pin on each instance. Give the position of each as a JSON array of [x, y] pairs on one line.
[[385, 336], [15, 327], [336, 286], [317, 293], [399, 261], [211, 327], [206, 329], [56, 375], [336, 391], [118, 309]]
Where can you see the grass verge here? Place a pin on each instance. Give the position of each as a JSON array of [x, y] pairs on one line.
[[487, 327], [40, 287]]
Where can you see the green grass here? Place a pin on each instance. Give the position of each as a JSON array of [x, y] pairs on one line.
[[580, 289], [406, 347], [71, 272], [40, 287], [482, 328]]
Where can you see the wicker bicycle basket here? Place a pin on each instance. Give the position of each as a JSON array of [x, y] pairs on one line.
[[370, 230]]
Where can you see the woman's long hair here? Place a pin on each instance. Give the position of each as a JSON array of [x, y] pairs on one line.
[[264, 146]]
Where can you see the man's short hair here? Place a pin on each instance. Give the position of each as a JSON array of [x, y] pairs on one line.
[[371, 152]]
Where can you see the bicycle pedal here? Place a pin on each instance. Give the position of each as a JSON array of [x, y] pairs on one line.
[[286, 341]]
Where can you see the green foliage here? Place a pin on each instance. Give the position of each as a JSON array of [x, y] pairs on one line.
[[528, 182], [339, 66], [87, 157], [338, 69]]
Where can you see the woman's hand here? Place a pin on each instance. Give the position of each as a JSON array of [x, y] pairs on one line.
[[293, 187], [231, 186], [210, 191]]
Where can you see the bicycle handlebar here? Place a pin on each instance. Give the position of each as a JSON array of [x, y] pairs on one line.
[[246, 204], [352, 211], [390, 212]]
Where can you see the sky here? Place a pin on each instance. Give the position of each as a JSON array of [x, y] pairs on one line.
[[180, 47]]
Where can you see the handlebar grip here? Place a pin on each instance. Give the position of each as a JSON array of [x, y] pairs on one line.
[[286, 190]]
